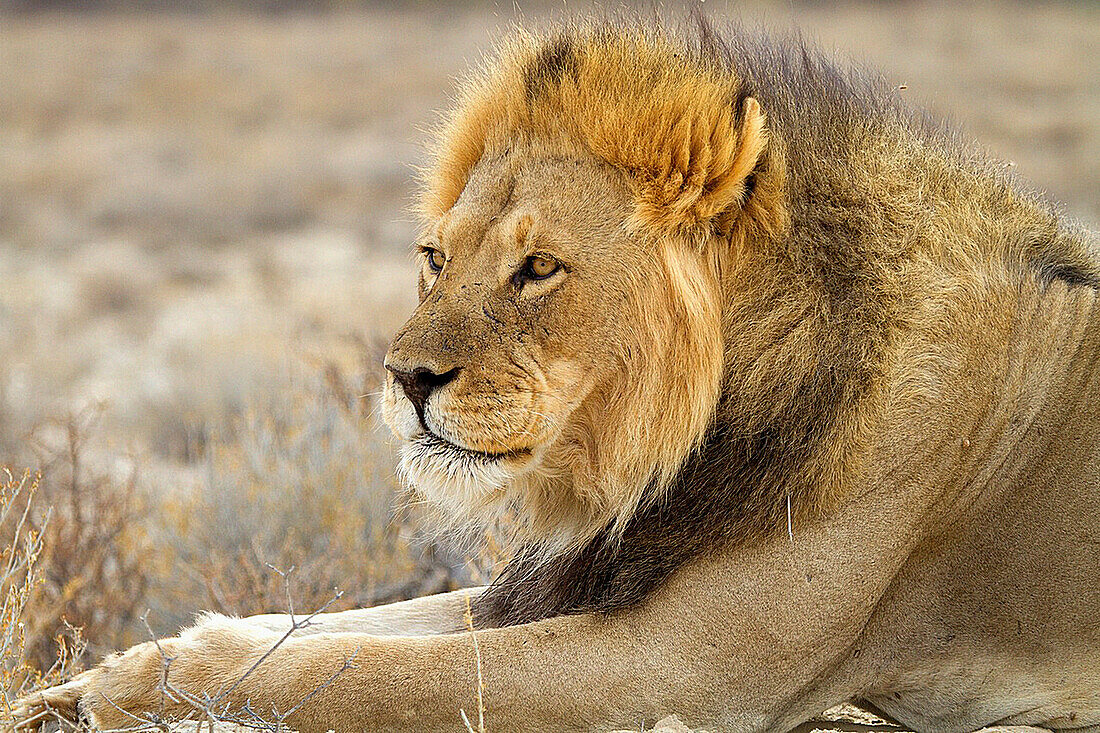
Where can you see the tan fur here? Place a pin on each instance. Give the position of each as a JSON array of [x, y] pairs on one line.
[[810, 414]]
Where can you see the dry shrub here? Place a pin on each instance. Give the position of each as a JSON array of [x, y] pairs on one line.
[[21, 586], [303, 479], [93, 568]]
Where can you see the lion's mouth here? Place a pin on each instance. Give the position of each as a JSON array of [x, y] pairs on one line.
[[431, 443]]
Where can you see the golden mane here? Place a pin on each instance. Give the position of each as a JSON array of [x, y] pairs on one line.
[[680, 127]]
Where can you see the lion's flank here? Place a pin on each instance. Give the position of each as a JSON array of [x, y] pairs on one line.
[[840, 206]]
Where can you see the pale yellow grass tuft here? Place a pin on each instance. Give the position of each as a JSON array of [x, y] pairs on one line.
[[480, 681]]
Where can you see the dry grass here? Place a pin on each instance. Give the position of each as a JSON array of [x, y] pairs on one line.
[[480, 680], [304, 479], [95, 562], [21, 590]]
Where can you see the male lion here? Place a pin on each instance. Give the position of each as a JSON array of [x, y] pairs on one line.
[[795, 397]]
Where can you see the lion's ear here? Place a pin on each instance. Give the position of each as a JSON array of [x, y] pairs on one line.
[[728, 195], [705, 172]]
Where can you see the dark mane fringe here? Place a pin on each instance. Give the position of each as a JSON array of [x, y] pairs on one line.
[[829, 112], [718, 498], [845, 250]]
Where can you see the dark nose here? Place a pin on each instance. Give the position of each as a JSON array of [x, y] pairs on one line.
[[420, 383]]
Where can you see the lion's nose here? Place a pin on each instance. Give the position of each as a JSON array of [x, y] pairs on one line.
[[420, 383]]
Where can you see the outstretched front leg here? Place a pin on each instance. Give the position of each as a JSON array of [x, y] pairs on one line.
[[758, 638], [435, 614]]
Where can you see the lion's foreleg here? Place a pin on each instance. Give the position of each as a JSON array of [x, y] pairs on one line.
[[760, 638], [752, 665], [436, 614]]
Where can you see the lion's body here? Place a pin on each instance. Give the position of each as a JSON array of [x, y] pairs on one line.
[[993, 616], [799, 404]]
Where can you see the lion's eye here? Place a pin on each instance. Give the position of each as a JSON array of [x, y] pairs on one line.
[[540, 268], [436, 259]]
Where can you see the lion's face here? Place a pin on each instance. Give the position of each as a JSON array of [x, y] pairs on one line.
[[583, 208], [527, 375]]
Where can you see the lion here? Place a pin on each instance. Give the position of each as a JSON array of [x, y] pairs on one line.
[[792, 397]]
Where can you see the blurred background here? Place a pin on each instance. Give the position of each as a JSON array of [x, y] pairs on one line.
[[204, 237]]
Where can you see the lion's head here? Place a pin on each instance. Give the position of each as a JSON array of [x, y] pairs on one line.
[[567, 352]]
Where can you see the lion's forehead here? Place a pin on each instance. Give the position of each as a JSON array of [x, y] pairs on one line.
[[574, 204]]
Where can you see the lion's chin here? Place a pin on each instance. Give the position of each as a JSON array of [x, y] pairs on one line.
[[458, 480]]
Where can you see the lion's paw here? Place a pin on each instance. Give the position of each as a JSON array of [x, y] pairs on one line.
[[152, 682], [128, 689], [54, 704], [172, 678]]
